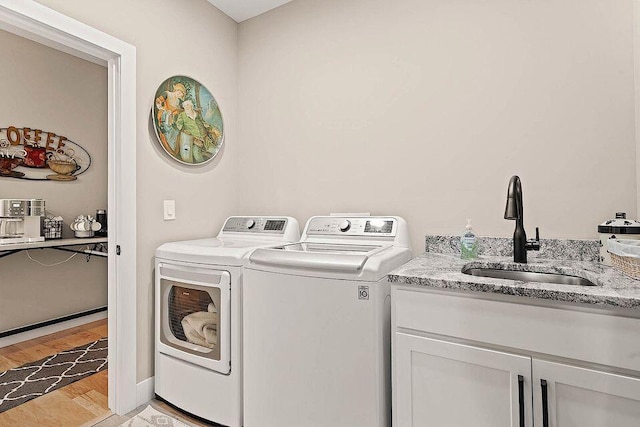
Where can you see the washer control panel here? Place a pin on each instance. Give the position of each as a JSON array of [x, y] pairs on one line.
[[352, 226], [250, 224]]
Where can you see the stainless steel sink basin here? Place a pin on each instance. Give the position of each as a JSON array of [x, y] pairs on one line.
[[529, 276]]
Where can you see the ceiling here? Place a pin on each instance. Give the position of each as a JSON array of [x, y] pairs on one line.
[[241, 10]]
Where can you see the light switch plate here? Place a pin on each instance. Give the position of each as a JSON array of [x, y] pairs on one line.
[[169, 210]]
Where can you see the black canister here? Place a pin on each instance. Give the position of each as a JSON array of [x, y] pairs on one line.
[[101, 217]]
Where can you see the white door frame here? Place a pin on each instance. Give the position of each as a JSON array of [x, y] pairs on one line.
[[41, 24]]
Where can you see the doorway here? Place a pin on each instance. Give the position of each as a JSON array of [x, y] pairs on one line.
[[38, 23]]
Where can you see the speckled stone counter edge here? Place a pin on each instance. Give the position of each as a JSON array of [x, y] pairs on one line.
[[558, 249], [440, 267]]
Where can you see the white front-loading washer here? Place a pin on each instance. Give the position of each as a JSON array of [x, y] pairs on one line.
[[316, 325], [198, 303]]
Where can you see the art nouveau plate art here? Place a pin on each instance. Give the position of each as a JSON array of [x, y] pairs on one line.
[[187, 121]]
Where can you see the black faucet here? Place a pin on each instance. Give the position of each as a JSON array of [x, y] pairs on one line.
[[514, 210]]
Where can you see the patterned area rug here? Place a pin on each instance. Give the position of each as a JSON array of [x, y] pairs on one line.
[[34, 379], [152, 418]]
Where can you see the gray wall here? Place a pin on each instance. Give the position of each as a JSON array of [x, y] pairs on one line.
[[188, 37], [418, 108], [425, 109], [46, 89]]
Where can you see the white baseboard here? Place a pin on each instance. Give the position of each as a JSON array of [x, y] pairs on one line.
[[145, 391], [50, 329]]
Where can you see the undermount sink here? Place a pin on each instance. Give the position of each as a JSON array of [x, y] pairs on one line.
[[529, 276]]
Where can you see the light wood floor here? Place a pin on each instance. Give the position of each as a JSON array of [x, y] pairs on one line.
[[82, 403]]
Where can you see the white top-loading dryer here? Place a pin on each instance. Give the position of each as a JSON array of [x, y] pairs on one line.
[[316, 325], [198, 302]]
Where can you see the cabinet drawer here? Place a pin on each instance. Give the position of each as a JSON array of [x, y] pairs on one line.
[[588, 336]]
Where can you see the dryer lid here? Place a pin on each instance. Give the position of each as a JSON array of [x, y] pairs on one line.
[[238, 237], [216, 251]]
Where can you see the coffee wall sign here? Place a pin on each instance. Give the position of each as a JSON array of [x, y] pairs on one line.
[[35, 154]]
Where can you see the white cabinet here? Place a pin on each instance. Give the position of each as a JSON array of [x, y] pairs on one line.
[[446, 384], [569, 396], [459, 360]]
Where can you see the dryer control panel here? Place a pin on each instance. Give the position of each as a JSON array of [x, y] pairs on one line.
[[251, 224], [353, 226]]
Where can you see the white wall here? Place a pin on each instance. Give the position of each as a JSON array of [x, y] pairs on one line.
[[187, 37], [425, 109], [636, 40], [52, 91]]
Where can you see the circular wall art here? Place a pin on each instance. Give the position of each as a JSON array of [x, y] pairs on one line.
[[187, 121]]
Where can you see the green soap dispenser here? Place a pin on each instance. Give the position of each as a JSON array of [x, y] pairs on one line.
[[468, 243]]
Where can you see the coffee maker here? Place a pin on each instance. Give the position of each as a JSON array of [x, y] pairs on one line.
[[21, 221]]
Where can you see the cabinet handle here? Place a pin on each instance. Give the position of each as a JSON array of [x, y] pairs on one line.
[[545, 404], [521, 399]]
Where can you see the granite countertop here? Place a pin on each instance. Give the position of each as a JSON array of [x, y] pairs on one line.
[[441, 267]]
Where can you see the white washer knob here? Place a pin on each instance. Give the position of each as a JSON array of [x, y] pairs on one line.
[[250, 224], [344, 225]]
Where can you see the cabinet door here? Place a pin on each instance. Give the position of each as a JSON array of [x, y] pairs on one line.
[[443, 384], [568, 396]]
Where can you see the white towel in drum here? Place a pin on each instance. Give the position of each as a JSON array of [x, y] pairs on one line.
[[201, 328]]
